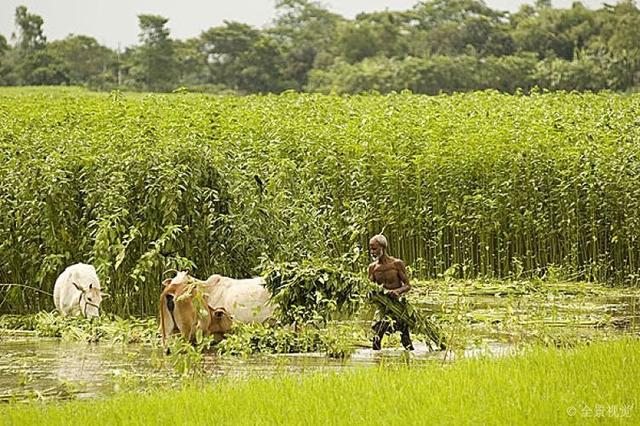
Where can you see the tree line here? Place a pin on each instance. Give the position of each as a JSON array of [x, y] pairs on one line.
[[436, 46]]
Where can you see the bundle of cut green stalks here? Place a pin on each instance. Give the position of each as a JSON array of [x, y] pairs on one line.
[[312, 290], [402, 310]]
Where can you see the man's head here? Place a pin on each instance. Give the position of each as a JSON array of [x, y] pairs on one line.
[[378, 246]]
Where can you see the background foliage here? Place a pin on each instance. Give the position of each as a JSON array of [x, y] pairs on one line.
[[436, 46], [481, 184]]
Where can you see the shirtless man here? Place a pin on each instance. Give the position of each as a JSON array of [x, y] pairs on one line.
[[391, 274]]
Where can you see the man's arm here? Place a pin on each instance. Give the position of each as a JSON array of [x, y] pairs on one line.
[[371, 266], [404, 278]]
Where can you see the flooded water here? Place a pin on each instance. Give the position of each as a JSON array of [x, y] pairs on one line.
[[32, 366], [29, 365]]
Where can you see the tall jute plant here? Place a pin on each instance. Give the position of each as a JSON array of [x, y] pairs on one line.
[[502, 185]]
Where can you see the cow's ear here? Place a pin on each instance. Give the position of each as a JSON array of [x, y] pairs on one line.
[[77, 286], [105, 294], [166, 282]]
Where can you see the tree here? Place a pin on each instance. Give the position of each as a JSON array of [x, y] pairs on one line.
[[588, 73], [430, 14], [154, 63], [84, 57], [242, 58], [305, 22], [30, 33], [373, 34], [619, 42], [555, 32], [262, 67], [457, 27], [621, 24], [486, 37], [4, 46], [33, 63], [223, 48], [426, 75], [191, 63], [42, 68], [305, 32], [7, 62]]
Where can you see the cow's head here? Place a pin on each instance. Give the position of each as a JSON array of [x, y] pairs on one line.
[[221, 320], [182, 277], [90, 298]]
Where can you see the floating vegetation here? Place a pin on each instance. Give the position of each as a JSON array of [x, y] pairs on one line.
[[61, 391], [110, 328], [337, 341]]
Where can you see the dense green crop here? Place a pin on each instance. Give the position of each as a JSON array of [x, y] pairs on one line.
[[493, 184]]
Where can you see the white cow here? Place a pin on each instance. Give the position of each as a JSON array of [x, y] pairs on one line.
[[247, 300], [77, 291]]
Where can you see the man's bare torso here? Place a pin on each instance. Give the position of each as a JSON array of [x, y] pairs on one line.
[[389, 274]]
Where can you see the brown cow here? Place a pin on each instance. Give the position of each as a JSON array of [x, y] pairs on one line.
[[221, 322], [179, 313]]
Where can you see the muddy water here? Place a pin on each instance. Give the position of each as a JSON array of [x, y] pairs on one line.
[[29, 365]]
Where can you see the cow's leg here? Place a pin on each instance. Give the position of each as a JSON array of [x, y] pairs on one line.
[[185, 327], [205, 324], [189, 334], [185, 318]]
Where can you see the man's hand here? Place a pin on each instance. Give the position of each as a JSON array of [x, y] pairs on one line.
[[394, 294]]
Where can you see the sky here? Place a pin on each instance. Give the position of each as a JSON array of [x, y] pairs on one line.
[[114, 23]]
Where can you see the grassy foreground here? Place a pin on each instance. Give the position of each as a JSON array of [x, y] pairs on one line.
[[588, 384]]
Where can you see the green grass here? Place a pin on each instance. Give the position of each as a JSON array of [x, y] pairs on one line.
[[541, 387]]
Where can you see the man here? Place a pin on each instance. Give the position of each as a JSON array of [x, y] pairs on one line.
[[391, 274]]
